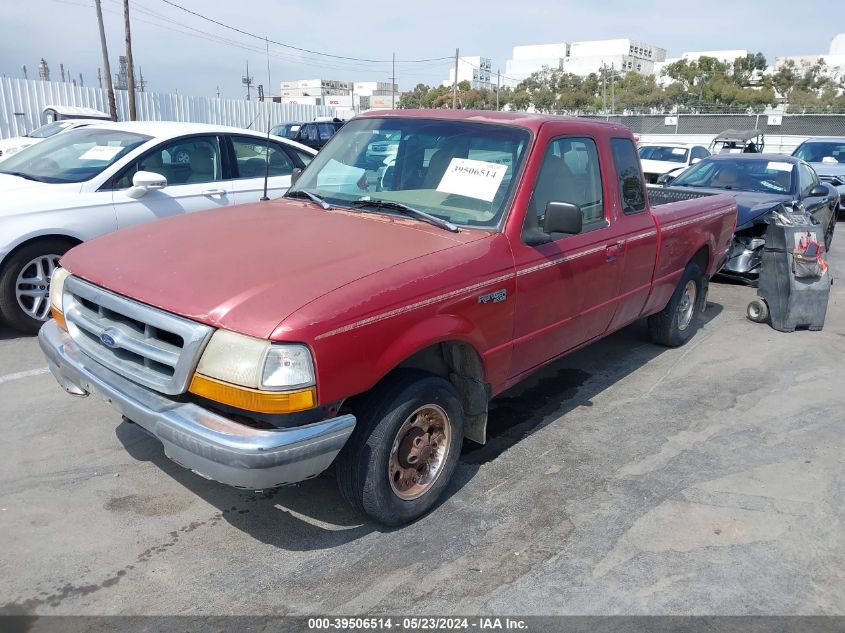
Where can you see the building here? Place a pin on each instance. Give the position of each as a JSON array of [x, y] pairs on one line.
[[584, 58], [475, 70], [834, 60], [315, 88], [335, 93], [727, 56]]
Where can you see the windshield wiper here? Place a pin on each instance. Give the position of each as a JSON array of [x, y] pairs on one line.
[[21, 175], [300, 193], [410, 211]]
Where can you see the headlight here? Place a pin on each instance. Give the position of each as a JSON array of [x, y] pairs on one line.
[[255, 374], [57, 287]]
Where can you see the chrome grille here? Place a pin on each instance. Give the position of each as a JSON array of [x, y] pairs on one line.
[[147, 345]]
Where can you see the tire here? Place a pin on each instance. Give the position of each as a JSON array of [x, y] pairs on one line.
[[758, 310], [365, 467], [677, 322], [35, 261]]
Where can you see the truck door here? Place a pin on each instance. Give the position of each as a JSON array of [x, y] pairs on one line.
[[566, 288], [637, 233]]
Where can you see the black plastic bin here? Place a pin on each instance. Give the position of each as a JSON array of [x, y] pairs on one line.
[[792, 301]]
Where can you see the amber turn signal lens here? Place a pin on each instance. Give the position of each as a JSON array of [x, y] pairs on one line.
[[253, 399], [59, 318]]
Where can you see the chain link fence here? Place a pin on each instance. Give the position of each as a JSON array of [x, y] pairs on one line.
[[780, 124]]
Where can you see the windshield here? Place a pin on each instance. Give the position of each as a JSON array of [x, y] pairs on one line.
[[457, 171], [829, 152], [74, 156], [665, 153], [288, 130], [48, 130], [765, 176]]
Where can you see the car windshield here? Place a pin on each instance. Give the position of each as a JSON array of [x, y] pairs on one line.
[[761, 175], [50, 129], [287, 130], [458, 171], [665, 153], [830, 152], [74, 156]]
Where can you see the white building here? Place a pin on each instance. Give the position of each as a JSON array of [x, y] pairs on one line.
[[315, 88], [726, 56], [336, 93], [834, 61], [474, 69], [583, 58]]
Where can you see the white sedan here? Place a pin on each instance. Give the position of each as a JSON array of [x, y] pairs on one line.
[[89, 181], [10, 146], [663, 158]]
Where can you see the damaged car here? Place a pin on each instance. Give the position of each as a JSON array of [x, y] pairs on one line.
[[826, 155], [760, 183]]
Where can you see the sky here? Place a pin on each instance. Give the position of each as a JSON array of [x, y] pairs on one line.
[[180, 52]]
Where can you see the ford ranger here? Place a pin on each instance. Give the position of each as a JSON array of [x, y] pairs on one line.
[[367, 318]]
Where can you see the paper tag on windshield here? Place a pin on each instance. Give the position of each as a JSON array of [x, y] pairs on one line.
[[472, 178], [778, 166], [102, 152], [679, 151]]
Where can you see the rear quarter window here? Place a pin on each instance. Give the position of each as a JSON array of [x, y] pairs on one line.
[[629, 175]]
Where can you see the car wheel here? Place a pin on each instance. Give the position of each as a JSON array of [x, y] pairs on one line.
[[676, 323], [25, 284], [404, 448], [182, 156]]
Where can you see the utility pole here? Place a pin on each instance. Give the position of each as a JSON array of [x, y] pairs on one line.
[[612, 89], [218, 92], [455, 83], [247, 80], [106, 66], [23, 68], [130, 68], [393, 84], [498, 86], [603, 88], [62, 71], [81, 83]]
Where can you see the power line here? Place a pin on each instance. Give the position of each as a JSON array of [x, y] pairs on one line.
[[297, 48]]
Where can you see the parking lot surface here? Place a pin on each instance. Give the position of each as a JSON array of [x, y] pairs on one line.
[[625, 479]]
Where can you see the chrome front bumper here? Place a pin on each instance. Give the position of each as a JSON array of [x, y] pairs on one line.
[[204, 441]]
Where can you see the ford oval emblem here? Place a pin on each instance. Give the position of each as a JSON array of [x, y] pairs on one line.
[[108, 340]]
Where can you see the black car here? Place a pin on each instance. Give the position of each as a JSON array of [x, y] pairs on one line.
[[317, 133], [287, 130], [760, 183]]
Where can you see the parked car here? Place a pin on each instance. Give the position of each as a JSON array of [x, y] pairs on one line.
[[370, 328], [287, 130], [13, 145], [826, 155], [760, 183], [317, 133], [669, 158], [80, 184], [738, 142]]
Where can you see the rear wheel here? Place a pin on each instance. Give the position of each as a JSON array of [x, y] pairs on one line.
[[404, 449], [676, 323], [25, 284]]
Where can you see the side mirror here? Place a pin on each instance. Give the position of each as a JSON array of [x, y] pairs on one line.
[[144, 181], [665, 179], [819, 191], [562, 217], [294, 175]]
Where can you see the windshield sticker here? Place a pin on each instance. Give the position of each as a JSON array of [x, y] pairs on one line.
[[779, 166], [101, 152], [679, 151], [472, 178]]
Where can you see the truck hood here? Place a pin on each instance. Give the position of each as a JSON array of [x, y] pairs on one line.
[[750, 205], [248, 268], [660, 166]]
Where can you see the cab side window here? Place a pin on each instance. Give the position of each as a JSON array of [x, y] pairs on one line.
[[570, 173], [699, 152], [629, 174], [806, 178]]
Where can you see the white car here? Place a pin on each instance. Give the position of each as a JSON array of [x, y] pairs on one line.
[[86, 182], [11, 146], [663, 158]]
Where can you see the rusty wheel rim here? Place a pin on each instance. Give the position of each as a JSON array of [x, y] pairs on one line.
[[419, 452]]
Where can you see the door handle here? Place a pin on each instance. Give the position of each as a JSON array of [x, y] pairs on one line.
[[214, 192], [612, 251]]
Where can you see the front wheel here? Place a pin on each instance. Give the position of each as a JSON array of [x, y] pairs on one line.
[[404, 449], [676, 323], [25, 284]]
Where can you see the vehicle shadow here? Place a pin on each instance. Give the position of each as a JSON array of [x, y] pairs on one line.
[[312, 515], [7, 334]]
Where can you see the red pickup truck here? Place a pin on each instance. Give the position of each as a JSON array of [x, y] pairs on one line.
[[367, 318]]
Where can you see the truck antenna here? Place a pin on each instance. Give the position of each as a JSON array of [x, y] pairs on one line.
[[264, 198]]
